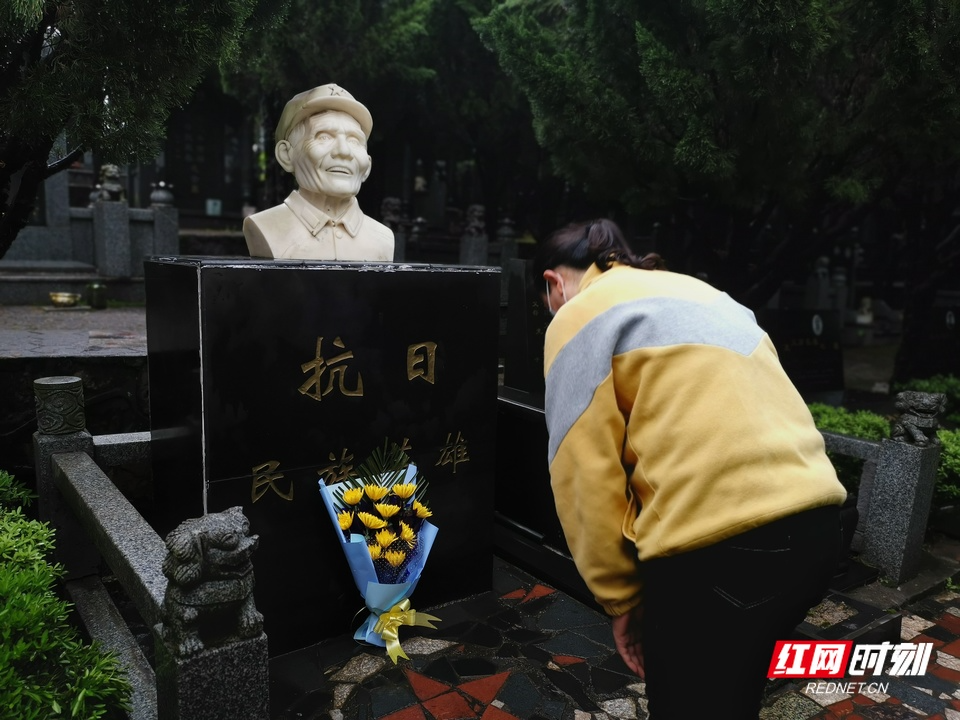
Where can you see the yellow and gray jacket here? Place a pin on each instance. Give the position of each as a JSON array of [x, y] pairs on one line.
[[672, 426]]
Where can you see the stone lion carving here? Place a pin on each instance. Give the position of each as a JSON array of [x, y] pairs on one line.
[[110, 187], [476, 224], [210, 589], [917, 423], [391, 212]]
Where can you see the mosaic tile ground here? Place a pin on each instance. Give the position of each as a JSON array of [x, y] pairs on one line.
[[525, 651], [934, 695]]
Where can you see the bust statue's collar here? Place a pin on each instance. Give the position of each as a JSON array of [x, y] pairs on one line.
[[315, 220]]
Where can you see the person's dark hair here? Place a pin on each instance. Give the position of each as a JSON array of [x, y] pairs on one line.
[[582, 244]]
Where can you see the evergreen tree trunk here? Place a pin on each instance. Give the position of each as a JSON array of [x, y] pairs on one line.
[[22, 170]]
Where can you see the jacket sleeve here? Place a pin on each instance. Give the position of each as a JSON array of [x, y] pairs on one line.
[[590, 488]]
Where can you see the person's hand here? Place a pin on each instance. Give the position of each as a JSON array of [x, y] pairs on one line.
[[626, 637]]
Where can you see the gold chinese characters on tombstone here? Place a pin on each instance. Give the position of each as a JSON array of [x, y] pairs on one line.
[[334, 373], [330, 373], [266, 477], [322, 139]]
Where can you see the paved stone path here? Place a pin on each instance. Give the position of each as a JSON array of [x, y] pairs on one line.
[[37, 331]]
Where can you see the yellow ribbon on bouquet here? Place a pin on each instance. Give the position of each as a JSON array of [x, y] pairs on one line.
[[389, 624]]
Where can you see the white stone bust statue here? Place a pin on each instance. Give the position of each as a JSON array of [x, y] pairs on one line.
[[322, 139]]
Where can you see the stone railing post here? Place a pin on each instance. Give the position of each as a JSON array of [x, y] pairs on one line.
[[899, 496], [61, 427], [474, 244], [166, 221], [400, 242], [391, 216], [111, 238], [507, 238], [204, 673]]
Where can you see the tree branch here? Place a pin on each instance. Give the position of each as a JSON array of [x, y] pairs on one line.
[[63, 163]]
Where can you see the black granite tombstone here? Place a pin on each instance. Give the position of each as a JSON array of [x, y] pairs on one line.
[[941, 340], [266, 376], [527, 322], [809, 345], [528, 532]]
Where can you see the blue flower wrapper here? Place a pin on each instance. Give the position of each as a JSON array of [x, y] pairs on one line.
[[388, 603]]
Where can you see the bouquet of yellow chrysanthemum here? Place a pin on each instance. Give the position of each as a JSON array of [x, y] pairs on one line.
[[382, 524]]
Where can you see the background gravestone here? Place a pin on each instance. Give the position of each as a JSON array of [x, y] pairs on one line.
[[280, 373], [941, 339], [810, 349]]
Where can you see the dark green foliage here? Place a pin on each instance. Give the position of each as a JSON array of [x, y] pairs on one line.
[[757, 132], [860, 424], [949, 385], [101, 76], [373, 49], [856, 423], [46, 670], [475, 113], [12, 493], [947, 490]]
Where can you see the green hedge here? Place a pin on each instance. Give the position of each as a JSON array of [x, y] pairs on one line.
[[855, 423], [947, 491], [872, 426], [47, 671]]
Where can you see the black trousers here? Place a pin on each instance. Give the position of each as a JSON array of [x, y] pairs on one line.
[[712, 616]]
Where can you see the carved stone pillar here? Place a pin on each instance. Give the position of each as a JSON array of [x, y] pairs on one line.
[[61, 427], [898, 500], [60, 406]]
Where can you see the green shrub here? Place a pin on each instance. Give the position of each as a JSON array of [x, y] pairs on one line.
[[857, 423], [871, 426], [947, 490], [949, 385], [12, 493], [46, 670]]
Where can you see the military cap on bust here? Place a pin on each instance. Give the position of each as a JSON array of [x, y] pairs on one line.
[[325, 97]]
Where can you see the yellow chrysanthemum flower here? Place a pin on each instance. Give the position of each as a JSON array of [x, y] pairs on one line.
[[407, 534], [372, 521], [375, 551], [422, 510], [345, 519], [395, 557], [404, 491], [375, 492], [386, 537], [353, 496], [387, 511]]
